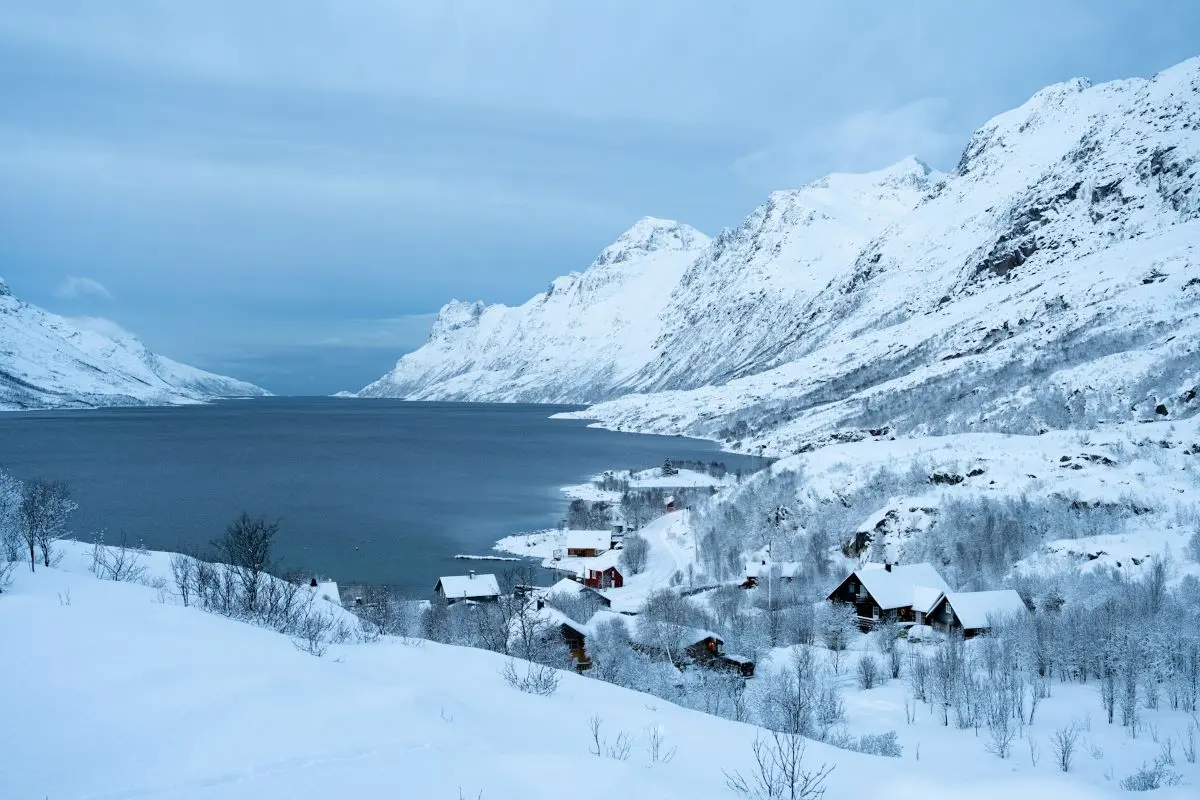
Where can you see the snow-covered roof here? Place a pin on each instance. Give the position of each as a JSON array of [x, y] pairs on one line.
[[785, 569], [895, 588], [925, 598], [328, 590], [458, 586], [589, 540], [974, 609], [644, 633], [565, 586]]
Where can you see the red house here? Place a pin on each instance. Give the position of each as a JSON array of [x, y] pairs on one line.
[[608, 578]]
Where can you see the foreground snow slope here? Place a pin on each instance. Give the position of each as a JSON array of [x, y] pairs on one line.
[[122, 695], [47, 361], [586, 334]]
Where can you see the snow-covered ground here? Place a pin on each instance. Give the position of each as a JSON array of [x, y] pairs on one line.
[[48, 361], [645, 479], [121, 692]]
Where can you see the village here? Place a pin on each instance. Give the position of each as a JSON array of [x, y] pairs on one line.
[[598, 583]]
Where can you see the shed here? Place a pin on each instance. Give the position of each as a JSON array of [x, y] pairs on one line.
[[605, 578]]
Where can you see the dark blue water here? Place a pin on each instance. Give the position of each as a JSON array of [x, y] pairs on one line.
[[365, 490]]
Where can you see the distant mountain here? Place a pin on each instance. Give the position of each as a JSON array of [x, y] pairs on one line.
[[1052, 280], [587, 334], [48, 361]]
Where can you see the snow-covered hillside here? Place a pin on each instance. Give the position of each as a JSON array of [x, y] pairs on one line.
[[125, 693], [47, 361], [1052, 280], [586, 334]]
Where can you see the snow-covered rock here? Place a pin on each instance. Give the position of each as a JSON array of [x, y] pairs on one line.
[[48, 361], [1050, 281]]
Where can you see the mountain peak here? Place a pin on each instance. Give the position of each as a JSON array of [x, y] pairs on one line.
[[649, 235]]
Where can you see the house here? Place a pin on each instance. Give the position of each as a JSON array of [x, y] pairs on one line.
[[739, 664], [888, 591], [588, 544], [603, 578], [972, 613], [669, 504], [573, 588], [679, 643], [472, 587]]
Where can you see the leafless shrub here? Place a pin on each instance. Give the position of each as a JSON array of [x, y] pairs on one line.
[[1062, 743], [868, 672], [618, 750], [183, 570], [779, 771], [656, 746], [121, 562], [533, 678]]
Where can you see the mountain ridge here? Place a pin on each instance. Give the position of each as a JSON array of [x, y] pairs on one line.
[[1069, 226], [50, 361]]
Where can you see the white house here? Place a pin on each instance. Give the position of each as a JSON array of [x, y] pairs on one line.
[[476, 588]]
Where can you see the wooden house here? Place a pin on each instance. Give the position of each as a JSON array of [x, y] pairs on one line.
[[973, 613], [588, 544], [471, 587], [739, 664], [882, 592], [603, 578]]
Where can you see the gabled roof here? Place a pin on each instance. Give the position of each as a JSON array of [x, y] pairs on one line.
[[589, 540], [895, 588], [565, 586], [643, 634], [925, 598], [463, 586], [329, 591], [974, 609]]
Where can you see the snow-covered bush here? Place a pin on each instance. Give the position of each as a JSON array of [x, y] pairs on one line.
[[531, 678], [1149, 778], [121, 562], [634, 554], [872, 744], [869, 673]]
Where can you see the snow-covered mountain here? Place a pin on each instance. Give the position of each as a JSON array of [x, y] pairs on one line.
[[48, 361], [612, 312], [1051, 280]]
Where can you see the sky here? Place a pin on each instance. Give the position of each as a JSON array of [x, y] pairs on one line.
[[288, 190]]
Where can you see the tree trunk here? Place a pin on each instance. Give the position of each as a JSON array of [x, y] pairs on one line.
[[32, 558]]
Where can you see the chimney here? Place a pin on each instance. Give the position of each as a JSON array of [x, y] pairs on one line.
[[471, 574], [888, 566]]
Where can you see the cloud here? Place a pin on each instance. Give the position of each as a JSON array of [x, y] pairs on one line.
[[865, 139], [82, 289], [102, 326]]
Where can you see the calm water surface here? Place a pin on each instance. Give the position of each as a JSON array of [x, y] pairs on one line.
[[365, 490]]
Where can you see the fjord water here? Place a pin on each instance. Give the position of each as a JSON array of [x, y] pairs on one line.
[[365, 490]]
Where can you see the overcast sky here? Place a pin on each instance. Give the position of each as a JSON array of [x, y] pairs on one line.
[[287, 190]]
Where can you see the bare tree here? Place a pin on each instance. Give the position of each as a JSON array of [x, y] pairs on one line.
[[11, 492], [45, 511], [183, 570], [888, 642], [779, 771], [635, 553], [1062, 742], [246, 548]]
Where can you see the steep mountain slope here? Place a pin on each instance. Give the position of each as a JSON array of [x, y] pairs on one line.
[[1052, 281], [47, 361], [587, 333]]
